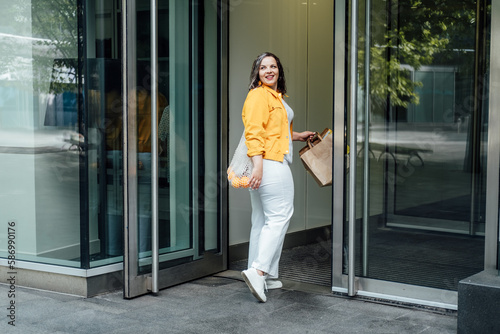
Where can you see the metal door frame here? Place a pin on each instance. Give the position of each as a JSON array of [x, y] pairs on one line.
[[136, 284], [344, 97], [492, 237], [133, 284]]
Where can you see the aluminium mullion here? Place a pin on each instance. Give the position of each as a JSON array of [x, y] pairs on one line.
[[154, 148], [129, 137], [353, 148], [339, 147], [492, 236], [366, 168]]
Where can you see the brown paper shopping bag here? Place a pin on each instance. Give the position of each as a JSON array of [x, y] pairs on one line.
[[317, 157]]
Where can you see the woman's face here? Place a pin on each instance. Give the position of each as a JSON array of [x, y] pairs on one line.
[[269, 73]]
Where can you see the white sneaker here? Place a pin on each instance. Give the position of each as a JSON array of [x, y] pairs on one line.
[[273, 284], [256, 283]]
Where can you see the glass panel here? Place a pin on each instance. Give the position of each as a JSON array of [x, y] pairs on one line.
[[180, 131], [174, 139], [45, 150], [188, 135], [177, 184], [105, 143], [426, 143], [144, 126], [40, 145], [206, 106]]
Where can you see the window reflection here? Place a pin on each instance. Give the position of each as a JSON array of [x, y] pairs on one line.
[[61, 139], [426, 143], [39, 131]]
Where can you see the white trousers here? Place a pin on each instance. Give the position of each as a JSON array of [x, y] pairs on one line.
[[272, 208]]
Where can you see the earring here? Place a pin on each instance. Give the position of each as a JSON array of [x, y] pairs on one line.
[[260, 83]]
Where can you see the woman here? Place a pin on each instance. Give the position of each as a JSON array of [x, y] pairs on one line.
[[269, 134]]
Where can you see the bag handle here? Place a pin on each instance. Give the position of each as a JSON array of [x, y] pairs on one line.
[[310, 140]]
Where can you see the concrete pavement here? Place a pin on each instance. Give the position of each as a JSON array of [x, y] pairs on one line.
[[214, 304]]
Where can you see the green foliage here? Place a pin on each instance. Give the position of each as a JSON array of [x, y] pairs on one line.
[[43, 30], [415, 33]]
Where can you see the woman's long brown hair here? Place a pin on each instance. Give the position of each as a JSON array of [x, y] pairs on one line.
[[254, 75]]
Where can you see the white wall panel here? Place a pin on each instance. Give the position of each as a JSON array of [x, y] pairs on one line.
[[284, 28]]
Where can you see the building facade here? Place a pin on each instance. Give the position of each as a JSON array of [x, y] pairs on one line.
[[118, 118]]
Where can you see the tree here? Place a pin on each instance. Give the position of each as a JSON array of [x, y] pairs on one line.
[[43, 30], [415, 33]]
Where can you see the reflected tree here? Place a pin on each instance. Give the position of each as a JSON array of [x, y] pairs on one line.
[[407, 35], [56, 23], [44, 30]]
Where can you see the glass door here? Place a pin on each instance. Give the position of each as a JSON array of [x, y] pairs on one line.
[[171, 146], [420, 132]]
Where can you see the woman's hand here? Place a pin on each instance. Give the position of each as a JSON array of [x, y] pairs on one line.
[[256, 177], [303, 136]]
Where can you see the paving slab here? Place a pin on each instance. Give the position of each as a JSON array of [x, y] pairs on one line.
[[215, 304]]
